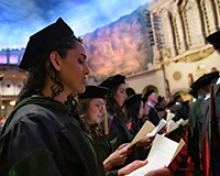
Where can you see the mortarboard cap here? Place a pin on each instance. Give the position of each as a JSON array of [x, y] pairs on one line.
[[160, 98], [171, 103], [40, 40], [177, 97], [94, 92], [159, 109], [130, 91], [204, 80], [132, 99], [214, 39], [113, 81], [193, 93]]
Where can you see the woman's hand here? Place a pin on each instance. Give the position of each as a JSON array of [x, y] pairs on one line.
[[146, 141], [131, 167], [117, 158], [124, 148]]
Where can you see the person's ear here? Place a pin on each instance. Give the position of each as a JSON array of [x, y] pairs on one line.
[[55, 60]]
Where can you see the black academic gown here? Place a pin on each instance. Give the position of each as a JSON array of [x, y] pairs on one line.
[[102, 146], [153, 116], [42, 138], [203, 123], [118, 131], [140, 152], [193, 135], [182, 112], [215, 159], [118, 135]]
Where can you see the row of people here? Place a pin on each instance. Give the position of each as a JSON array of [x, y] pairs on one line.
[[50, 133], [44, 134]]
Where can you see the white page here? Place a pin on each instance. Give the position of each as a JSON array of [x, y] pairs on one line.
[[162, 150], [170, 116], [159, 127], [182, 122], [161, 154], [171, 126]]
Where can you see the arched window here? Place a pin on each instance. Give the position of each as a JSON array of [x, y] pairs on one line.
[[217, 5], [150, 87], [184, 94], [166, 29], [178, 31], [192, 24], [208, 16], [157, 25]]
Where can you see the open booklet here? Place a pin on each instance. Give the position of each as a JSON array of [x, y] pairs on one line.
[[169, 116], [147, 129], [182, 122], [158, 128], [171, 125], [162, 153]]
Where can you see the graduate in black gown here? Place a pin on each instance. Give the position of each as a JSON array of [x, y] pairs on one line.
[[134, 108], [152, 100], [117, 120], [91, 106], [214, 131], [198, 122], [43, 136], [161, 107], [182, 111]]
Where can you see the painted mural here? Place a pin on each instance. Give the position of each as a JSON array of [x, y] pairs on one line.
[[120, 47]]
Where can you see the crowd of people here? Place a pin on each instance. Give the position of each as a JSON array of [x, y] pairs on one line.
[[62, 127]]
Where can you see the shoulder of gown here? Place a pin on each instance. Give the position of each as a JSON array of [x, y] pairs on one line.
[[35, 128]]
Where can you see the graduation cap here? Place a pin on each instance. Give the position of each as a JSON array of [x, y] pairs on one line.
[[113, 81], [159, 109], [130, 91], [177, 97], [193, 93], [214, 39], [160, 98], [171, 103], [148, 93], [94, 92], [132, 100], [41, 40], [204, 80]]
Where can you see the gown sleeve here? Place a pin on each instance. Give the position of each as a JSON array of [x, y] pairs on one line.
[[23, 151]]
